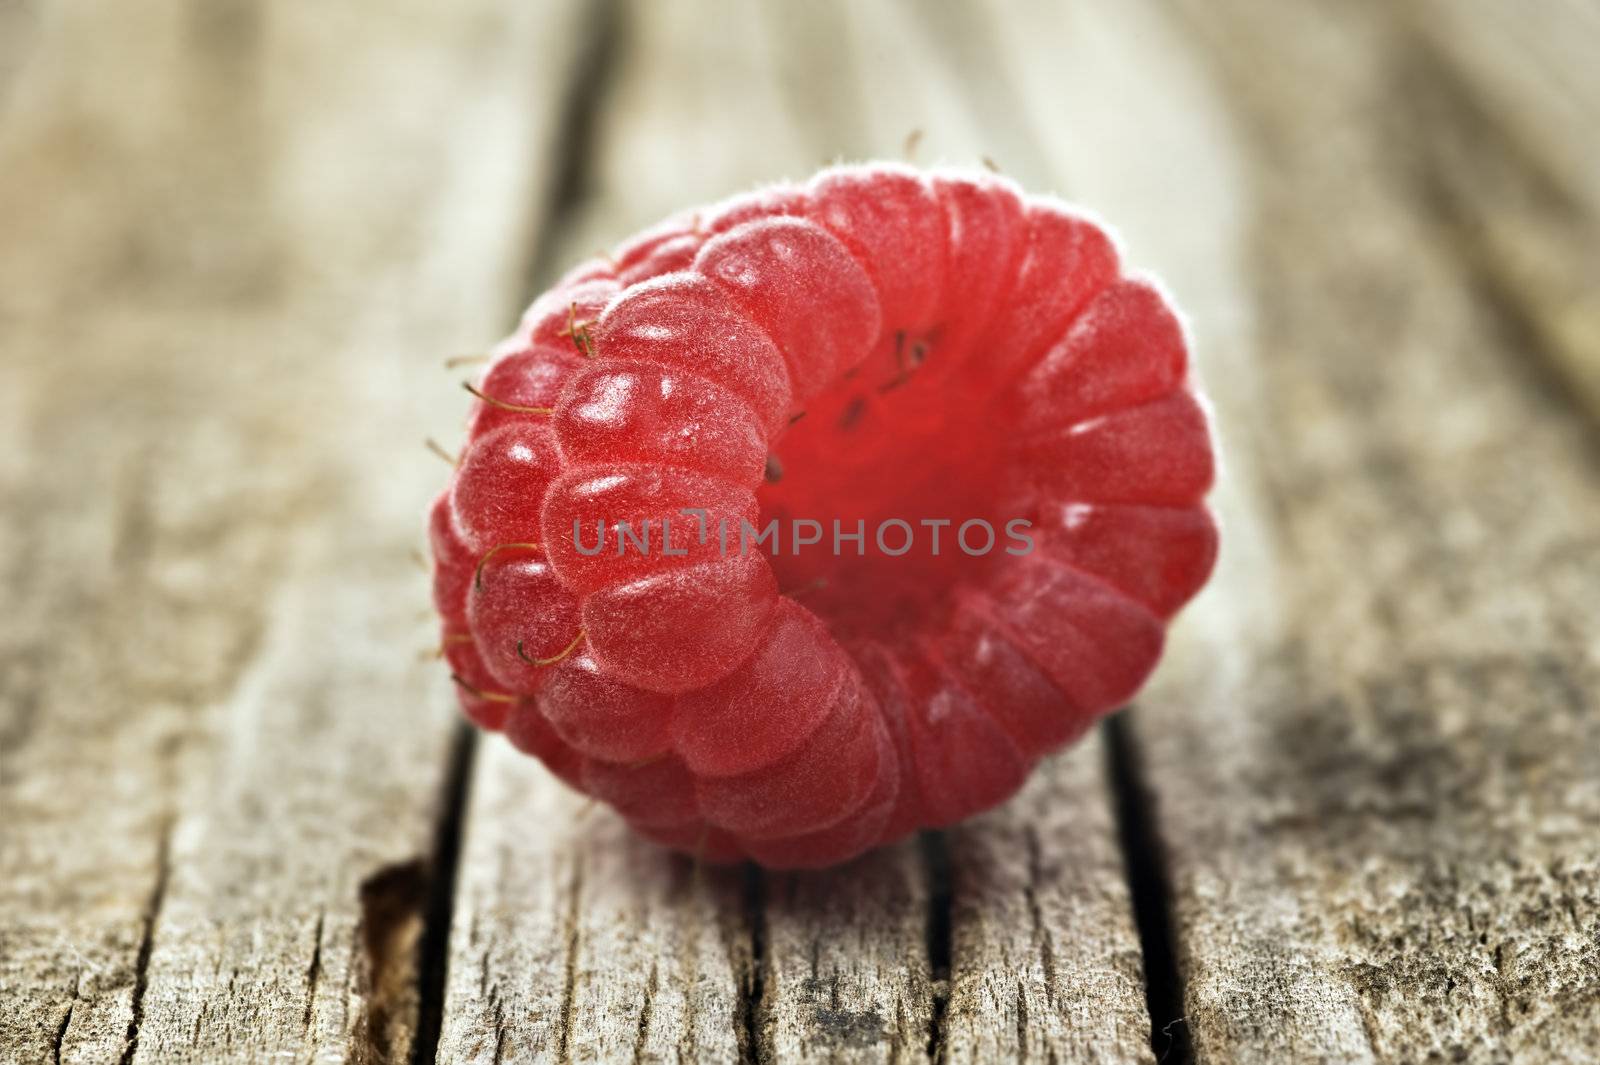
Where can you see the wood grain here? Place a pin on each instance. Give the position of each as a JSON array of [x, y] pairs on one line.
[[1045, 962], [1351, 820], [227, 227], [1374, 759], [1509, 165], [575, 941]]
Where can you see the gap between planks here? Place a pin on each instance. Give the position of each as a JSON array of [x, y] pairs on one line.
[[595, 52]]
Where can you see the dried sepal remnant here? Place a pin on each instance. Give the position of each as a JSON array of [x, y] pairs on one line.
[[499, 404], [552, 659], [635, 541]]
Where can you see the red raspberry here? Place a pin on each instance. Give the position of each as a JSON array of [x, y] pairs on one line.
[[911, 355]]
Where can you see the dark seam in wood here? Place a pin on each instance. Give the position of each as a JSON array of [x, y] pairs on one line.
[[1369, 1026], [1022, 1019], [499, 1027], [1502, 985], [573, 136], [935, 850], [752, 983], [593, 77], [313, 973], [483, 963], [433, 952], [645, 1010], [152, 911], [833, 976], [902, 1036], [1043, 942], [687, 893], [393, 903], [569, 988], [61, 1029], [1151, 893]]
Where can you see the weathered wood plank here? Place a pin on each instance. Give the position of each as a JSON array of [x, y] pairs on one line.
[[855, 964], [1373, 752], [1375, 757], [1038, 970], [572, 940], [1510, 100], [847, 967], [226, 226]]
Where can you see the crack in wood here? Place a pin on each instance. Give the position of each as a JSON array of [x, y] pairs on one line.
[[573, 936], [61, 1030], [1044, 942], [595, 70], [152, 911], [1151, 891], [935, 851], [646, 1008], [393, 901], [752, 983], [595, 50], [433, 963], [313, 971], [499, 1027]]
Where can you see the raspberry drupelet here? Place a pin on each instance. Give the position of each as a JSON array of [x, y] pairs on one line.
[[882, 348]]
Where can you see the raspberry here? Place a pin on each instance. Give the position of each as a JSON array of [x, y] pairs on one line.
[[923, 361]]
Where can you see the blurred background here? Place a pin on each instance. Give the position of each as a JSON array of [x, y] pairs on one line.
[[1354, 818]]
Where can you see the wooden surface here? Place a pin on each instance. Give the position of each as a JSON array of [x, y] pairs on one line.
[[1353, 819]]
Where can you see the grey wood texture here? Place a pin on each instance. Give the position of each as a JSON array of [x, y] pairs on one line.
[[1354, 818]]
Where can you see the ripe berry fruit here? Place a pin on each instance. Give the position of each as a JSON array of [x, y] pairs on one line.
[[821, 515]]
